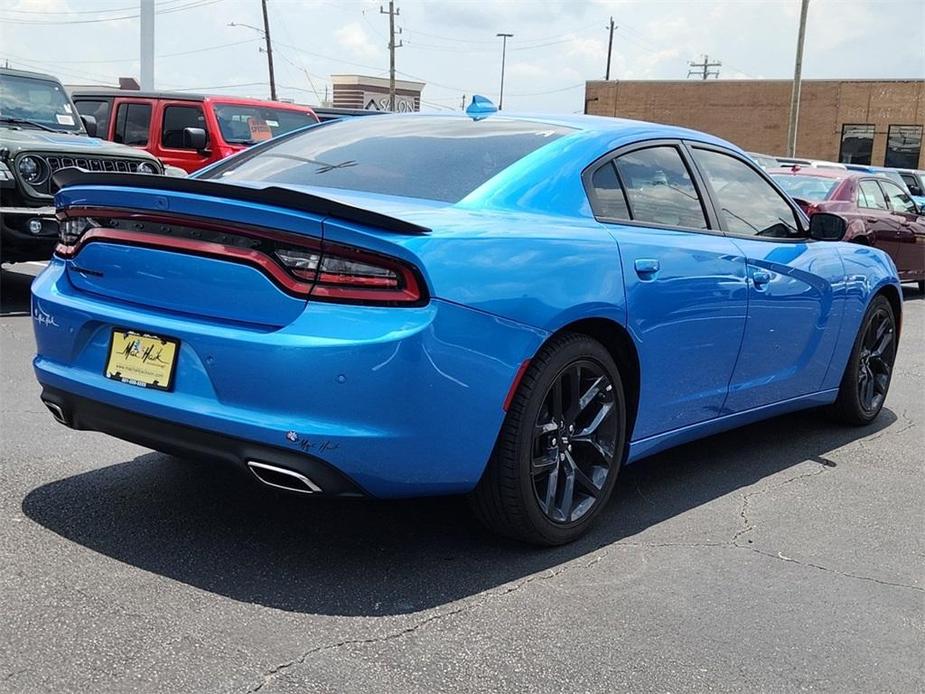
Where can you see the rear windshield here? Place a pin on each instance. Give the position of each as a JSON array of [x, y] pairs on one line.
[[436, 158], [809, 188], [41, 101], [242, 124]]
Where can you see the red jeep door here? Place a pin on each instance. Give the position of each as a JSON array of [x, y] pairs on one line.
[[174, 117]]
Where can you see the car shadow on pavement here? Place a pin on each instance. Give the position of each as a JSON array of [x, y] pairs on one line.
[[206, 525]]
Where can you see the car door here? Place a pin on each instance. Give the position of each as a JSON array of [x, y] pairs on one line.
[[132, 122], [795, 285], [174, 117], [907, 242], [685, 282], [875, 214]]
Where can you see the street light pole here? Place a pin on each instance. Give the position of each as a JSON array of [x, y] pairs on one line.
[[504, 38], [797, 83]]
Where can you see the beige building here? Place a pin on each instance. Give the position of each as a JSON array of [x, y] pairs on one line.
[[372, 93], [877, 122]]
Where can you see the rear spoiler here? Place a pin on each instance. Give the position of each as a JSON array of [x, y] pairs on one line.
[[272, 195]]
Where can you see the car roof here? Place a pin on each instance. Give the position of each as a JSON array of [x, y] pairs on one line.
[[812, 171], [28, 73], [83, 92]]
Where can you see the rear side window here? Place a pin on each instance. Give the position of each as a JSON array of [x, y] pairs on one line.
[[436, 158], [748, 204], [659, 188], [99, 109], [176, 118], [897, 197], [870, 196], [132, 123], [609, 200]]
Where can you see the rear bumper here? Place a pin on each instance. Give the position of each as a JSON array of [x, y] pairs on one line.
[[401, 402], [177, 439]]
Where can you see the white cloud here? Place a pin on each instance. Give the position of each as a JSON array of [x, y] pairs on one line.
[[354, 38]]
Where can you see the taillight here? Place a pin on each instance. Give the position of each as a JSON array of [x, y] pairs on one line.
[[342, 273], [70, 229]]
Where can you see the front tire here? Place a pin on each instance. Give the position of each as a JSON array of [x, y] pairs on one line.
[[867, 376], [557, 457]]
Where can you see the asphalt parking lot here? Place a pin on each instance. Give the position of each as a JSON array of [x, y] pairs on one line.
[[786, 556]]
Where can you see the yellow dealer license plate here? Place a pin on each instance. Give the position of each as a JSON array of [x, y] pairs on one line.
[[142, 360]]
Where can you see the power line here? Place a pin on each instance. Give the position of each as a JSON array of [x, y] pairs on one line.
[[59, 22]]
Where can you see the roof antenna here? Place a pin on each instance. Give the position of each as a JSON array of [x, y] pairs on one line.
[[480, 107]]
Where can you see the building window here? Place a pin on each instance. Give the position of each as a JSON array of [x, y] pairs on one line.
[[857, 144], [903, 146]]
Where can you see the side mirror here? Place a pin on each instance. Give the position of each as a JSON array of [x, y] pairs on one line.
[[827, 227], [194, 138], [89, 124]]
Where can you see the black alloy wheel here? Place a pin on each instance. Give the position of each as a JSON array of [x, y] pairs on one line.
[[559, 451], [867, 376], [875, 360], [574, 440]]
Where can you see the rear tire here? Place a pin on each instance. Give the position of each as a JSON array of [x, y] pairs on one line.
[[557, 457], [867, 376], [921, 286]]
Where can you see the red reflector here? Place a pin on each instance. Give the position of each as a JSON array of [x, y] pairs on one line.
[[516, 383]]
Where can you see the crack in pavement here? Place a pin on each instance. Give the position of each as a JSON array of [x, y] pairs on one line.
[[748, 526], [274, 672]]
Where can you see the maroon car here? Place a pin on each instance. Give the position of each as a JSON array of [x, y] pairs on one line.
[[879, 212]]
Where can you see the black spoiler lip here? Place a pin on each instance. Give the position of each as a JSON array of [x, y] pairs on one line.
[[272, 195]]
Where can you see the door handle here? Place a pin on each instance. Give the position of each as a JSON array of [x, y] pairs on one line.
[[646, 268], [871, 220], [760, 278]]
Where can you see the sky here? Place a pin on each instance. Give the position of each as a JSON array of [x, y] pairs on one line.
[[452, 45]]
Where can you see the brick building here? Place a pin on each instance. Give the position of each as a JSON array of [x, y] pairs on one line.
[[372, 93], [877, 122]]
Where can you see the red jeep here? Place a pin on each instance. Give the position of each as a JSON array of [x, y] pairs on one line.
[[188, 130]]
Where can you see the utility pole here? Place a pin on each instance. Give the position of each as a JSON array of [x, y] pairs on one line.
[[609, 49], [266, 35], [703, 69], [146, 43], [462, 104], [392, 12], [504, 38], [797, 77]]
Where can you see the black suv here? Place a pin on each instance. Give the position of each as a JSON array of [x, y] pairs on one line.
[[40, 133]]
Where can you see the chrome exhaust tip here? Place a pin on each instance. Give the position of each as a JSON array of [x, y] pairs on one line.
[[56, 412], [282, 478]]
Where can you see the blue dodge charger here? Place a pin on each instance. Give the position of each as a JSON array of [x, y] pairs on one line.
[[506, 306]]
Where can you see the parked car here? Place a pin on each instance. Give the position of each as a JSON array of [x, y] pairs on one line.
[[188, 130], [879, 213], [40, 133], [765, 161], [891, 174], [915, 182], [813, 163], [326, 113], [506, 306]]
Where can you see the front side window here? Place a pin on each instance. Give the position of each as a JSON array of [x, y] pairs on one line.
[[870, 196], [42, 102], [176, 118], [609, 200], [897, 198], [132, 123], [442, 159], [98, 109], [903, 146], [748, 204], [659, 188], [857, 144]]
